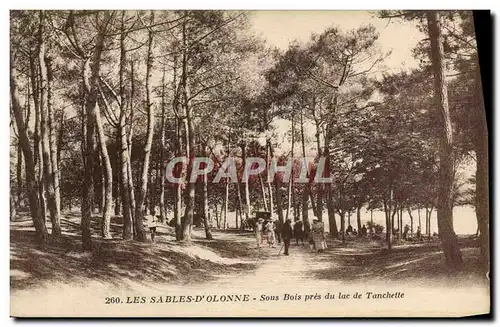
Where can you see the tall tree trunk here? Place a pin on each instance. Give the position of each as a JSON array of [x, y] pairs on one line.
[[90, 77], [342, 224], [277, 186], [248, 206], [388, 221], [419, 220], [319, 186], [178, 188], [269, 182], [240, 204], [118, 185], [217, 217], [139, 209], [19, 175], [226, 197], [482, 179], [122, 133], [48, 172], [37, 140], [411, 220], [309, 191], [163, 216], [263, 192], [130, 178], [328, 187], [290, 179], [108, 175], [206, 221], [358, 219], [53, 142], [449, 239], [31, 180]]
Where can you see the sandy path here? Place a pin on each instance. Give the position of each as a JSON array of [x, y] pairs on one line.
[[267, 288]]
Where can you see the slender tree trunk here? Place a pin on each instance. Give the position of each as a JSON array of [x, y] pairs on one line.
[[108, 175], [19, 175], [48, 172], [482, 179], [358, 219], [37, 139], [124, 151], [309, 191], [419, 220], [163, 215], [449, 239], [269, 182], [388, 220], [342, 224], [53, 142], [118, 185], [290, 179], [139, 209], [277, 186], [248, 207], [31, 180], [206, 212], [328, 187], [240, 203], [263, 192], [319, 186], [90, 78], [411, 220]]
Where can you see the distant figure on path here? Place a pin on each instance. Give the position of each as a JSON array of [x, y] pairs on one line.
[[258, 231], [318, 235], [271, 237], [349, 230], [405, 232], [363, 231], [151, 222], [298, 231], [419, 233], [287, 234]]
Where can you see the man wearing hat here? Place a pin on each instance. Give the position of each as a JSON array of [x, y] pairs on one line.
[[287, 234]]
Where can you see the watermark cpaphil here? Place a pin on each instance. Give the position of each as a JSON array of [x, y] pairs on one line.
[[300, 170]]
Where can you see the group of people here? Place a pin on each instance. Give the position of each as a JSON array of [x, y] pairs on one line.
[[352, 231], [266, 230]]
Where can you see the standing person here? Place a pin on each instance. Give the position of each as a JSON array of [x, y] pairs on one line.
[[419, 233], [258, 231], [363, 231], [318, 235], [298, 232], [405, 232], [287, 234], [150, 222], [271, 237]]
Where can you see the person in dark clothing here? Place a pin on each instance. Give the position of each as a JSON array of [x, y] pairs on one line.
[[349, 230], [286, 233], [363, 231], [298, 232]]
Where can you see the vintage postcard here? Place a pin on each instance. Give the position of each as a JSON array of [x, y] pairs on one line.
[[203, 163]]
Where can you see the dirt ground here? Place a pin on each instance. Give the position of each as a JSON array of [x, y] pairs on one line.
[[230, 255]]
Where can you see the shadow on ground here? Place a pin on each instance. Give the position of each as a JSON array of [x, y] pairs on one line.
[[63, 260], [363, 260]]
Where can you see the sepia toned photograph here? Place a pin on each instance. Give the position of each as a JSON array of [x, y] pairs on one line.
[[221, 163]]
